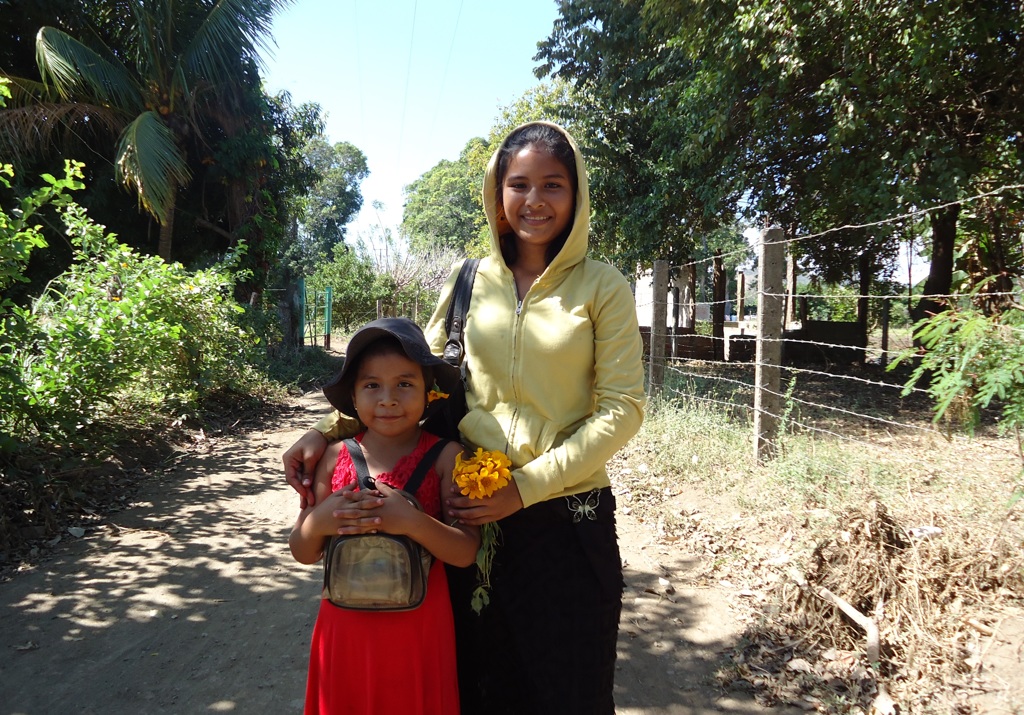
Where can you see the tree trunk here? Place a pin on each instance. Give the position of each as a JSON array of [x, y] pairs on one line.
[[167, 227], [940, 272]]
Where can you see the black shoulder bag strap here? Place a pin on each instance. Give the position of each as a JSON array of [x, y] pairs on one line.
[[458, 307], [415, 479]]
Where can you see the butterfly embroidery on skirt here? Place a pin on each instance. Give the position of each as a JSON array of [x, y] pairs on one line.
[[585, 506]]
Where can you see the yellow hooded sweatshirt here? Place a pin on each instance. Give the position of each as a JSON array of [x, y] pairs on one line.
[[557, 383]]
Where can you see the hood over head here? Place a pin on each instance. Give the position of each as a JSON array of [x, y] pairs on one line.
[[575, 248]]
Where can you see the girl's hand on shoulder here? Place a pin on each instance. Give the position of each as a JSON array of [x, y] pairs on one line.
[[477, 512]]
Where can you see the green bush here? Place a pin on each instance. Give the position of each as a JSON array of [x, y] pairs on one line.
[[19, 237], [972, 361], [117, 331]]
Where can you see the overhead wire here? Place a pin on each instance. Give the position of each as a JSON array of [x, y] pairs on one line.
[[408, 78], [447, 63], [359, 64]]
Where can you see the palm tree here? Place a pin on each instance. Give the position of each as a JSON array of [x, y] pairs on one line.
[[171, 58]]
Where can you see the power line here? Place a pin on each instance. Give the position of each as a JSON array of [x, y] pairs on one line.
[[447, 63], [408, 78], [872, 224]]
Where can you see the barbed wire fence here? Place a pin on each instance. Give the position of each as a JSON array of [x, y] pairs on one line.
[[763, 365]]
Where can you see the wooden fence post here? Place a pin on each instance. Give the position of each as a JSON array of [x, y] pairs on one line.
[[770, 317], [659, 320]]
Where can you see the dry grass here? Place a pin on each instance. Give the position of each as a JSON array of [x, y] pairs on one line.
[[843, 511]]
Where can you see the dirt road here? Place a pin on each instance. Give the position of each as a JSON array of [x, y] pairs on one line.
[[189, 602]]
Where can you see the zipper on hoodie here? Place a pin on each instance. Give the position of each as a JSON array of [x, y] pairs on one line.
[[514, 423]]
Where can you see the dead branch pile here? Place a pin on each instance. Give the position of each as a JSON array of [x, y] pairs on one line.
[[927, 597]]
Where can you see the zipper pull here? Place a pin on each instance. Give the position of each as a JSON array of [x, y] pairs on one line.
[[519, 307]]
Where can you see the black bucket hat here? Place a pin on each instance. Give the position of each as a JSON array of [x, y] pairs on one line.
[[409, 335]]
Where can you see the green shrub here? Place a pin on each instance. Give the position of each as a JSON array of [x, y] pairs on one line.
[[19, 237], [117, 331], [972, 361]]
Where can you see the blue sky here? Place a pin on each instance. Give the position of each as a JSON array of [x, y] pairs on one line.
[[409, 82]]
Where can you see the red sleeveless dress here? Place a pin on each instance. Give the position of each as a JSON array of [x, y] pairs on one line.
[[379, 663]]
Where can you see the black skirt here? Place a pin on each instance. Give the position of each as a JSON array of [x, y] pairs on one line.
[[546, 641]]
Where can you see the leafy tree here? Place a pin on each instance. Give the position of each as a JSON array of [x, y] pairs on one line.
[[443, 207], [166, 66], [548, 102], [843, 111], [332, 201], [19, 237], [351, 276], [808, 114], [648, 203], [115, 332], [972, 361]]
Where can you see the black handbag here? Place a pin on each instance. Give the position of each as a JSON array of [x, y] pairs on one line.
[[379, 572], [444, 415]]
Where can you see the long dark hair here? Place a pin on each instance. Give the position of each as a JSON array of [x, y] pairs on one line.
[[546, 138]]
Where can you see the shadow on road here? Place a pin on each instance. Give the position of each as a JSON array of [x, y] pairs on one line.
[[189, 602]]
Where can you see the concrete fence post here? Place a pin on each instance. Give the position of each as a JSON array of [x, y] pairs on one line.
[[770, 317], [718, 296], [659, 331], [328, 318], [741, 295], [688, 297]]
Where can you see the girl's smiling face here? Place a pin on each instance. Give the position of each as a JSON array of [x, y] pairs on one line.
[[537, 196], [389, 394]]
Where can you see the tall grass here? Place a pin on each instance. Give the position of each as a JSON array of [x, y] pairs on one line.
[[686, 440]]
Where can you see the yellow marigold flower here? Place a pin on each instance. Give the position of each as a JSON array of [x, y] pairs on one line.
[[477, 477], [436, 394], [482, 474]]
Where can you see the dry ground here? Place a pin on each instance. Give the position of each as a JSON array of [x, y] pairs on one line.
[[187, 601]]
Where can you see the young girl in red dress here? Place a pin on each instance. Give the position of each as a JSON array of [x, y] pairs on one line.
[[373, 662]]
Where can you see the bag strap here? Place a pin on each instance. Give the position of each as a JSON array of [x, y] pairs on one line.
[[355, 451], [418, 474], [458, 307], [412, 485]]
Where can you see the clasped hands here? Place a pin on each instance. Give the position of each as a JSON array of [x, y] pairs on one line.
[[349, 511]]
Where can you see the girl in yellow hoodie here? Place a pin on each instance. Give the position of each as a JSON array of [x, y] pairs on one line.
[[554, 380]]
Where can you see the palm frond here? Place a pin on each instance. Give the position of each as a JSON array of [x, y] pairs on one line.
[[150, 162], [234, 29], [147, 36], [74, 68], [26, 91], [26, 131]]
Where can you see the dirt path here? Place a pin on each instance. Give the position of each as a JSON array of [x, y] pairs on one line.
[[189, 602]]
